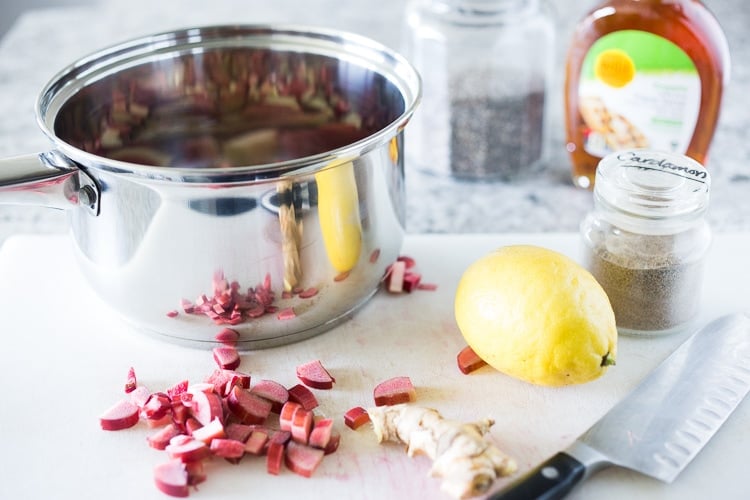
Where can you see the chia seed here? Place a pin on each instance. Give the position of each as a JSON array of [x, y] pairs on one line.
[[496, 137]]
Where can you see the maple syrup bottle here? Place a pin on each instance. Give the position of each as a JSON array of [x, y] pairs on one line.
[[643, 74]]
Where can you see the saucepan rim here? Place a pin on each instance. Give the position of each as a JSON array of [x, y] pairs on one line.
[[355, 48]]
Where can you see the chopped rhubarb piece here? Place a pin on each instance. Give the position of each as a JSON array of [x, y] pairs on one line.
[[205, 406], [209, 432], [130, 382], [333, 443], [301, 425], [247, 407], [122, 415], [356, 417], [172, 478], [188, 451], [160, 439], [280, 436], [394, 391], [411, 281], [314, 375], [139, 396], [273, 392], [320, 435], [178, 389], [468, 361], [191, 426], [187, 306], [227, 448], [427, 286], [302, 459], [173, 313], [286, 415], [226, 357], [227, 336], [395, 278], [286, 313], [256, 443], [195, 473], [274, 457], [235, 378], [409, 262], [180, 414], [156, 406], [240, 432], [308, 293], [302, 395]]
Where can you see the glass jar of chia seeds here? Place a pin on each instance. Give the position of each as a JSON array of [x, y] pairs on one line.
[[646, 238], [485, 67]]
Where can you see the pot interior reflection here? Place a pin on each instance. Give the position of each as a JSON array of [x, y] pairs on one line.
[[228, 107]]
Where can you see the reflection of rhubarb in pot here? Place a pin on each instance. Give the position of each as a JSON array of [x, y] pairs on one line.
[[230, 306]]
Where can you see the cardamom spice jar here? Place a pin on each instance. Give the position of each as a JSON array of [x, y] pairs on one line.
[[646, 239]]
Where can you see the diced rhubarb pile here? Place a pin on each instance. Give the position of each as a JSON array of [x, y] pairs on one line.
[[230, 305], [226, 416]]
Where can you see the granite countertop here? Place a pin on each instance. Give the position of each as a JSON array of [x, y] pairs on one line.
[[44, 41]]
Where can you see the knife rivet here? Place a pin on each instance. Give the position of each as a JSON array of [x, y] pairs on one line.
[[550, 473]]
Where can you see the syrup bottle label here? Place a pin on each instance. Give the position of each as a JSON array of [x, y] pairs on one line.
[[638, 90]]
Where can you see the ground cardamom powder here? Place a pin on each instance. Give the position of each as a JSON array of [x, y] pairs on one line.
[[651, 288]]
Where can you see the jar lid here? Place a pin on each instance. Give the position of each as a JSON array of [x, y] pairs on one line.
[[663, 190]]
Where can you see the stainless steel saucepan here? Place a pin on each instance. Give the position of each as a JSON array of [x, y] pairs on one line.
[[249, 177]]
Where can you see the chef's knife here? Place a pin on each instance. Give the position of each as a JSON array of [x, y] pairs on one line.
[[660, 426]]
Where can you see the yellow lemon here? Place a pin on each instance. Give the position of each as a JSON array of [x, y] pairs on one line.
[[338, 212], [534, 314]]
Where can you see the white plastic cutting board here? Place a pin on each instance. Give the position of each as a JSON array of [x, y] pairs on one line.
[[64, 358]]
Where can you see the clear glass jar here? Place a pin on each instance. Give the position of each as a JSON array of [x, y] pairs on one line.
[[485, 67], [646, 238]]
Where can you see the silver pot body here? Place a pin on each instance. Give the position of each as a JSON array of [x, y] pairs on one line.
[[248, 177]]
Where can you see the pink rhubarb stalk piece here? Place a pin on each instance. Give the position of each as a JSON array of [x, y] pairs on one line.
[[274, 457], [161, 438], [247, 407], [469, 361], [286, 415], [302, 423], [394, 391], [205, 406], [209, 432], [286, 313], [227, 357], [273, 391], [172, 478], [313, 374], [256, 443], [227, 448], [227, 336], [320, 435], [395, 279], [190, 450], [356, 417], [302, 459], [121, 415], [303, 396], [130, 382]]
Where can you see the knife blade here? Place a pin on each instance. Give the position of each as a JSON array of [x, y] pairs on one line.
[[664, 422]]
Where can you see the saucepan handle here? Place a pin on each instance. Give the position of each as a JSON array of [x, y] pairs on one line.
[[47, 179]]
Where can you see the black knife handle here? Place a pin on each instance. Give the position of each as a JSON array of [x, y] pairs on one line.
[[552, 480]]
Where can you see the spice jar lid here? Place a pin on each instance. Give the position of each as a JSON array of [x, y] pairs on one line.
[[651, 190]]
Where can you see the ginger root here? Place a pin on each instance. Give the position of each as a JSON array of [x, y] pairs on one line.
[[466, 462]]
